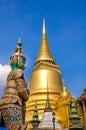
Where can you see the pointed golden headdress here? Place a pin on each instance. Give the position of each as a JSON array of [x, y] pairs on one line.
[[18, 58]]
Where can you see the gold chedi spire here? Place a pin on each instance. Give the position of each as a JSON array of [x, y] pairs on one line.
[[45, 68], [65, 92], [48, 106], [44, 52], [44, 28]]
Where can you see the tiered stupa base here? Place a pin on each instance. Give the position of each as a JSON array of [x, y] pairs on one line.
[[47, 122]]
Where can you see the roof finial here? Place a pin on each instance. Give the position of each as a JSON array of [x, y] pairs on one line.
[[44, 30], [44, 52], [19, 41]]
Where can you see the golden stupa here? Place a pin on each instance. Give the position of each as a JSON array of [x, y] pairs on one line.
[[45, 68]]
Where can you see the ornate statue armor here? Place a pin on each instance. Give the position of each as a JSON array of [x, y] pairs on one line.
[[12, 104]]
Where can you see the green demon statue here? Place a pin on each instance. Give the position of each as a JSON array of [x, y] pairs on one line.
[[12, 104]]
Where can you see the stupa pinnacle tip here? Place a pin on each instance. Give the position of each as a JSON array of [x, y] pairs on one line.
[[44, 28]]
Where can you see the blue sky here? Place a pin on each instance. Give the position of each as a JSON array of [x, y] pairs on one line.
[[66, 33]]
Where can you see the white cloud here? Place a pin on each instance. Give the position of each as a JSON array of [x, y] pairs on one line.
[[4, 70]]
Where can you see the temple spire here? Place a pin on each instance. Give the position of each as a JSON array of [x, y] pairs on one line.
[[35, 115], [48, 107], [74, 117], [44, 28], [44, 52], [35, 119]]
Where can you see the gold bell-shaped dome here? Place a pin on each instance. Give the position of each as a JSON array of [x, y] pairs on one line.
[[45, 68]]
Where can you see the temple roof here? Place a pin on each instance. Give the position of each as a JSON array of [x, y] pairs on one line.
[[44, 52], [83, 96]]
